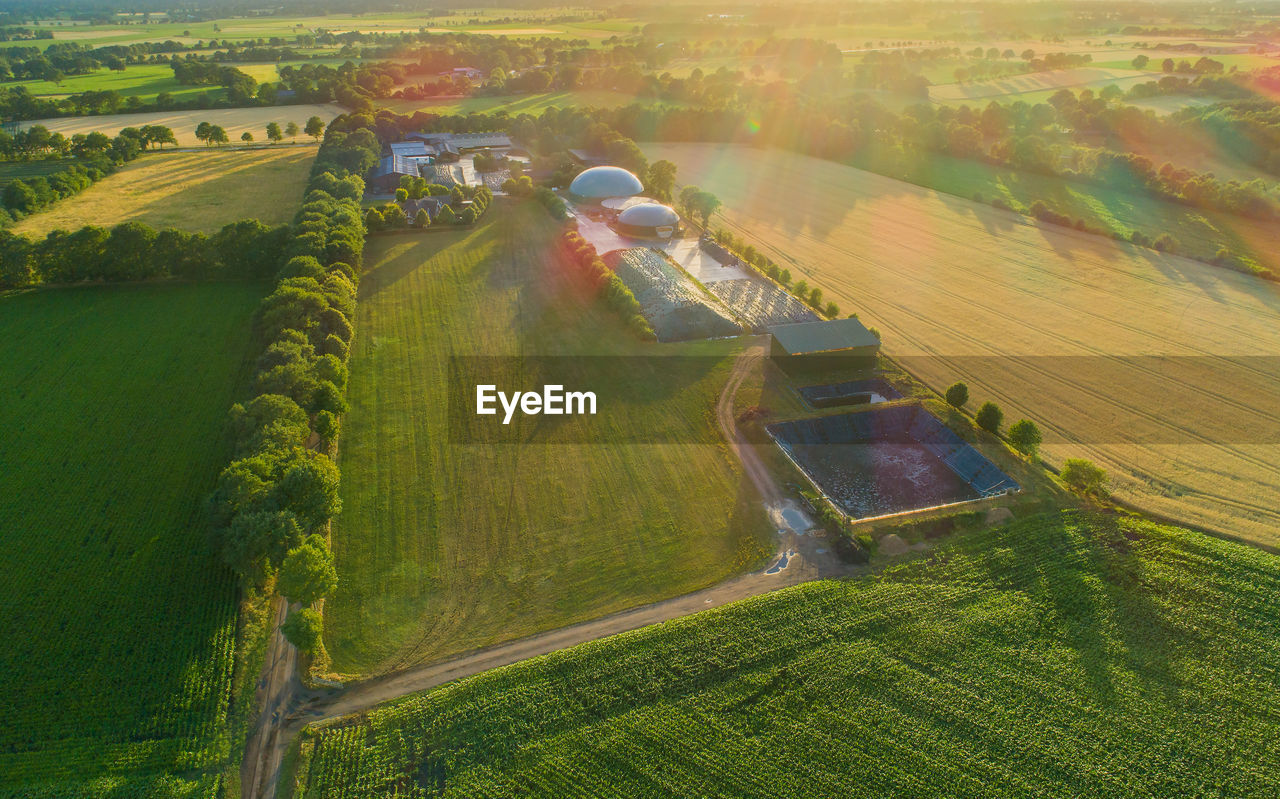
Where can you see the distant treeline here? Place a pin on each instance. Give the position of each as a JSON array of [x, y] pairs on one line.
[[132, 251]]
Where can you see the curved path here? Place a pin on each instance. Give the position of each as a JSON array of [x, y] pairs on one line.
[[289, 707]]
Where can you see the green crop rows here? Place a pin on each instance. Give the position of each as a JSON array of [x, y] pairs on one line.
[[1065, 655], [117, 623]]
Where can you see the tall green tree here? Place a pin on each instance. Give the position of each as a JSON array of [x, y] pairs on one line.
[[307, 573], [314, 128], [957, 395], [661, 179], [989, 417], [1025, 437]]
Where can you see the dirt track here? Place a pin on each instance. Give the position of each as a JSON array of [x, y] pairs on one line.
[[278, 686], [288, 708]]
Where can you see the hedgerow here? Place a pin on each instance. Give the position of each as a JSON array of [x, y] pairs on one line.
[[281, 491], [582, 256]]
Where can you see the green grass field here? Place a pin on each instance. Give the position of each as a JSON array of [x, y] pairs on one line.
[[445, 546], [201, 190], [144, 81], [1065, 655], [1200, 233], [521, 103], [118, 623]]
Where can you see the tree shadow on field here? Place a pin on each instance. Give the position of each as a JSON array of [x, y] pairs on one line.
[[411, 251], [235, 184], [996, 221], [1089, 584]]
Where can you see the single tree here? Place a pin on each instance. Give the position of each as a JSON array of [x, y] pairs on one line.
[[373, 220], [957, 395], [307, 573], [217, 135], [1084, 476], [688, 200], [274, 133], [314, 128], [303, 629], [291, 130], [1025, 437], [1141, 61], [662, 180], [989, 417], [246, 137], [706, 204], [423, 219], [203, 132], [402, 195]]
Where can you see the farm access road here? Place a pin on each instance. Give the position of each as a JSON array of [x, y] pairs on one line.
[[288, 706]]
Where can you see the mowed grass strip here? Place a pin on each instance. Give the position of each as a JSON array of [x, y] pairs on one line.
[[117, 619], [445, 546], [944, 277], [196, 191], [1065, 655]]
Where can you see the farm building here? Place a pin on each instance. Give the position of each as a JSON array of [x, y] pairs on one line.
[[386, 175], [602, 182], [845, 338], [648, 220], [457, 143]]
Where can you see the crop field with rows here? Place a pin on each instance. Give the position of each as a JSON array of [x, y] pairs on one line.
[[117, 622], [1064, 655]]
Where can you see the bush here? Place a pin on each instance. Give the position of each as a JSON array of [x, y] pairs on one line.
[[1084, 477], [1165, 243], [303, 629], [1025, 437], [989, 417], [957, 395]]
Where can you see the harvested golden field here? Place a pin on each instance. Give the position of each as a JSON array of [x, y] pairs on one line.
[[1154, 370], [187, 190], [234, 120]]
